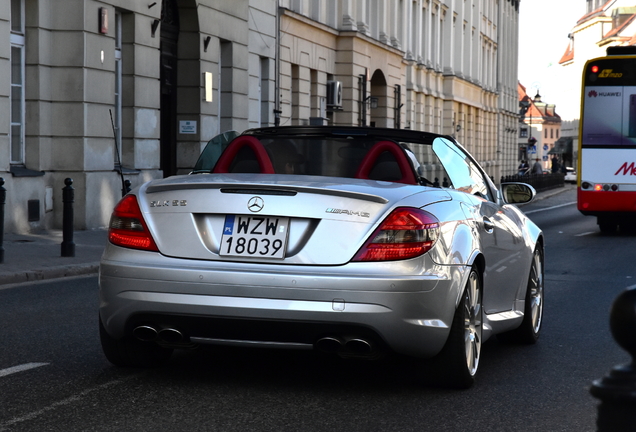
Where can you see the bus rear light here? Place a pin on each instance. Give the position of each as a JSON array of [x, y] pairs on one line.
[[602, 187]]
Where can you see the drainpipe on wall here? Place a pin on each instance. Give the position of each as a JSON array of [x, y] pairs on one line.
[[397, 96], [277, 111]]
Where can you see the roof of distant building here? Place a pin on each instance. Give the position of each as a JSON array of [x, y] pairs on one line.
[[596, 12], [619, 34], [538, 111]]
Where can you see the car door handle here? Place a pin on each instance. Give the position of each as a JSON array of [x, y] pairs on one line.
[[489, 227]]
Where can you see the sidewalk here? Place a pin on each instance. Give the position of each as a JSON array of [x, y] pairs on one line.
[[32, 257], [35, 257]]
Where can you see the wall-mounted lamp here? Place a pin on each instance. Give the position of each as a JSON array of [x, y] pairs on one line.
[[207, 87], [153, 26], [372, 101], [458, 127], [206, 42]]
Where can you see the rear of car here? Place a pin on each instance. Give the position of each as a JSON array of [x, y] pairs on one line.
[[344, 240], [306, 260]]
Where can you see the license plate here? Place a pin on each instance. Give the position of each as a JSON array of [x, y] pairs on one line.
[[254, 236]]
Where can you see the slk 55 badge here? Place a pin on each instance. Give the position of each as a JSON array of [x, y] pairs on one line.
[[168, 203]]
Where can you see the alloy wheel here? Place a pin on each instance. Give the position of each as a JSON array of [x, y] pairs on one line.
[[536, 291], [473, 323]]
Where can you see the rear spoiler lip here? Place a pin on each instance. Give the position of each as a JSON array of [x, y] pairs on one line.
[[265, 190]]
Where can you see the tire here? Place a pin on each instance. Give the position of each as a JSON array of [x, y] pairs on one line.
[[458, 361], [129, 352], [530, 328], [606, 225], [627, 228]]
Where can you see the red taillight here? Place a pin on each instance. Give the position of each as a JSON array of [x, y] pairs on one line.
[[405, 233], [127, 226]]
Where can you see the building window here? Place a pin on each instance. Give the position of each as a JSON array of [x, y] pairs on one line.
[[557, 133], [263, 94], [551, 133], [17, 99], [226, 108], [593, 5], [296, 97], [523, 133]]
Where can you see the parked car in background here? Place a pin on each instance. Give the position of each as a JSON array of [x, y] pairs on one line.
[[353, 241], [570, 175]]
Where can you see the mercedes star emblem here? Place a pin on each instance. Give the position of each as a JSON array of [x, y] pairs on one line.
[[255, 204]]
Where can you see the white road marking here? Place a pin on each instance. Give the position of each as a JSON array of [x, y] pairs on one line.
[[585, 233], [69, 400], [20, 368], [550, 208]]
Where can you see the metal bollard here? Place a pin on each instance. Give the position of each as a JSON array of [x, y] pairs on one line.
[[68, 197], [126, 187], [3, 198], [617, 390]]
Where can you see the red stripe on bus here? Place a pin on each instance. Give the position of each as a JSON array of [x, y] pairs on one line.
[[606, 201]]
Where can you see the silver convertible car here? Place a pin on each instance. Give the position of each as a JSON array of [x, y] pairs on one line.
[[353, 241]]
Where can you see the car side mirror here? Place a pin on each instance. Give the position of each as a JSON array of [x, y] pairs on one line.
[[517, 193]]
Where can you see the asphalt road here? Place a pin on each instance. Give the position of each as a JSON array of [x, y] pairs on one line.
[[53, 376]]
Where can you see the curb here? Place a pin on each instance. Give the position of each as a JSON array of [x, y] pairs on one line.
[[549, 193], [49, 273]]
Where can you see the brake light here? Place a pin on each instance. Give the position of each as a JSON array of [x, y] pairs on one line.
[[405, 233], [128, 228], [600, 187]]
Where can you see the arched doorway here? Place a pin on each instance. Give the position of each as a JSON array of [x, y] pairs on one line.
[[379, 100], [168, 78]]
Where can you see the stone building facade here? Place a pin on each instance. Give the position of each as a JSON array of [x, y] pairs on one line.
[[105, 90]]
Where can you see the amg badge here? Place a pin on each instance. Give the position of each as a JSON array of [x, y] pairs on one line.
[[348, 212]]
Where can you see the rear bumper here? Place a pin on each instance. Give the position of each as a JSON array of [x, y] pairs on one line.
[[603, 202], [407, 307]]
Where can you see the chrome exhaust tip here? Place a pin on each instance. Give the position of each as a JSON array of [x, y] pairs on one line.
[[145, 333], [170, 335], [330, 344], [358, 346]]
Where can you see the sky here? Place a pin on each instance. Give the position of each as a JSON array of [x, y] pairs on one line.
[[543, 38]]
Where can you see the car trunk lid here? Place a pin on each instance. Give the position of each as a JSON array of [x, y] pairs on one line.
[[281, 219]]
